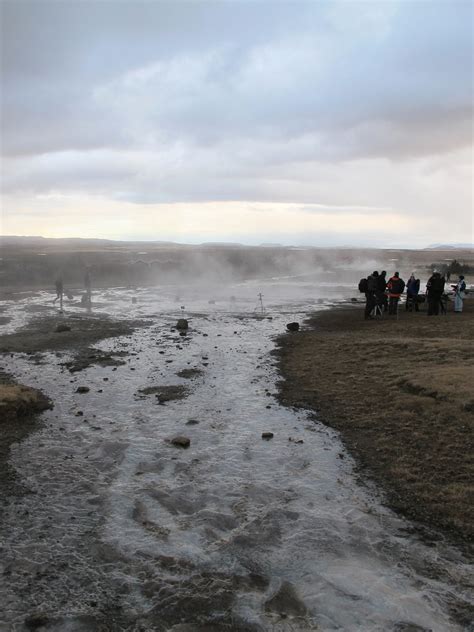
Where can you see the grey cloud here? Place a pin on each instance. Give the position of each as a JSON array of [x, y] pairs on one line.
[[217, 100]]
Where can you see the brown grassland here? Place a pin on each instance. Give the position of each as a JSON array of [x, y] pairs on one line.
[[401, 394]]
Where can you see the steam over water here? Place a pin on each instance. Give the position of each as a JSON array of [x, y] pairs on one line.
[[120, 530]]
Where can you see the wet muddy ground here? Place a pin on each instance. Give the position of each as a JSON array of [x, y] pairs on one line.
[[122, 527]]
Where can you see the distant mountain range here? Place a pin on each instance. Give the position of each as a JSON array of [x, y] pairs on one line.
[[37, 240]]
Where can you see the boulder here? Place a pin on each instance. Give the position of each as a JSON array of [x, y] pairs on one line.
[[267, 435], [293, 326], [182, 324], [82, 389]]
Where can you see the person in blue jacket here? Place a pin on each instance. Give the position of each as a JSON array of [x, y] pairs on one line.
[[413, 289]]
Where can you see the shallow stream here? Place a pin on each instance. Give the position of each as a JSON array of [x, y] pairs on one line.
[[119, 529]]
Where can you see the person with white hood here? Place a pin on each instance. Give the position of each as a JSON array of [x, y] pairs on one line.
[[459, 293]]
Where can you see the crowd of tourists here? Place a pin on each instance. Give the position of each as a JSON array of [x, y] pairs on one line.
[[383, 295]]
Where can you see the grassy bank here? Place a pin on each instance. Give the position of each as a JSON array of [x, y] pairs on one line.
[[19, 406], [400, 392]]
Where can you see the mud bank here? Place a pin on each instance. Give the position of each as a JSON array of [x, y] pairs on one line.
[[19, 407], [58, 332], [400, 394]]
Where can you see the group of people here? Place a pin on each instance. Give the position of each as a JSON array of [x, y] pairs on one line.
[[383, 295]]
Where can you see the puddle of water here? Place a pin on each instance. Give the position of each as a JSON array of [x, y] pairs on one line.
[[121, 528]]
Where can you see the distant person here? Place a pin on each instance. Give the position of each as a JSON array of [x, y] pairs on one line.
[[382, 298], [88, 286], [371, 294], [59, 285], [395, 287], [434, 291], [459, 294], [413, 289]]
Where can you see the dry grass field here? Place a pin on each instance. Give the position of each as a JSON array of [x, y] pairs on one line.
[[401, 394]]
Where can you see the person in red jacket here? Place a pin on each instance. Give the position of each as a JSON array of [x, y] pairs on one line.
[[395, 287]]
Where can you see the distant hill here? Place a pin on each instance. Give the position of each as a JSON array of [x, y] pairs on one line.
[[450, 247]]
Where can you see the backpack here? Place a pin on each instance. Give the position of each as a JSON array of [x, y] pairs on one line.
[[363, 286]]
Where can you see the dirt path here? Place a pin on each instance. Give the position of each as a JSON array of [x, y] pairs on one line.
[[400, 393]]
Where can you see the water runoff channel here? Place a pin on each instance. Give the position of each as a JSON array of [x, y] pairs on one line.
[[121, 530]]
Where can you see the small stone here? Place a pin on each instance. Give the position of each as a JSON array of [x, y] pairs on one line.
[[295, 440], [79, 413], [192, 422], [267, 435], [181, 441], [82, 389]]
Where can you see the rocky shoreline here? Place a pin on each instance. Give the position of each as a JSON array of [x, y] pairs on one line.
[[399, 392]]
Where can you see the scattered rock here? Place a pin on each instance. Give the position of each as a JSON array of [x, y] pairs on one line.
[[182, 324], [192, 422], [295, 440], [82, 389], [293, 326], [267, 435], [180, 441], [60, 328]]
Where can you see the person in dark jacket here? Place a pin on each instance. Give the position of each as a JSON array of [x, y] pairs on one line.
[[382, 298], [371, 294], [395, 287], [413, 289], [434, 291]]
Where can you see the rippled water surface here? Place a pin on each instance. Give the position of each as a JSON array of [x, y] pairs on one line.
[[121, 530]]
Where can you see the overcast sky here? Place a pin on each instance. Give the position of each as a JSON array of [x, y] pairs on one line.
[[318, 122]]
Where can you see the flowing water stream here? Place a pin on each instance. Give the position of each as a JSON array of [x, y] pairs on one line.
[[121, 530]]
